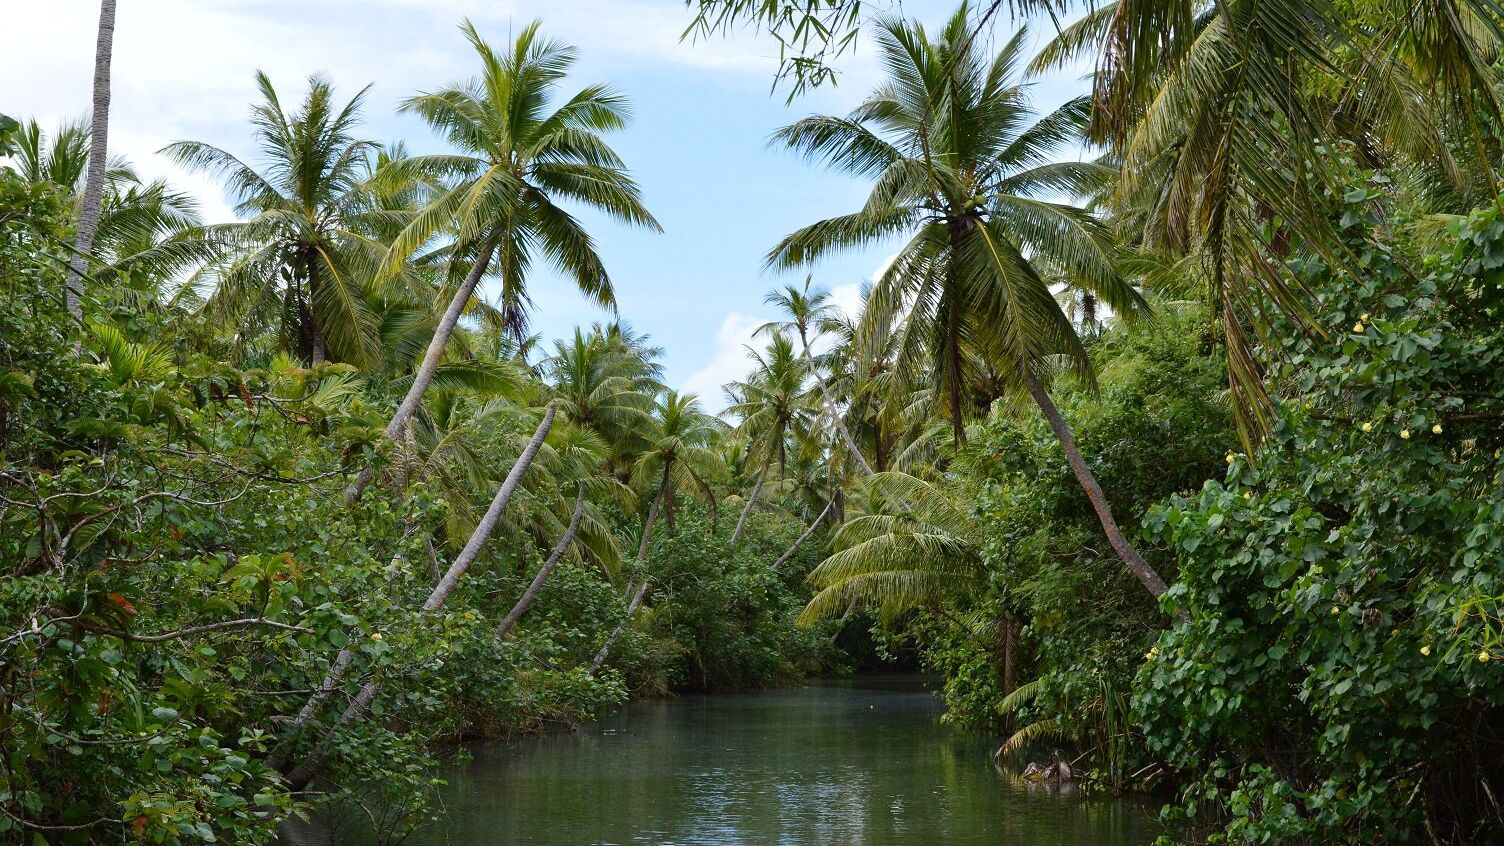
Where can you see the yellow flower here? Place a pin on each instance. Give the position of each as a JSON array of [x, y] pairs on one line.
[[376, 636], [1364, 318], [1229, 458], [1436, 430], [1405, 433], [1425, 650], [1336, 610], [1358, 327], [1483, 655], [1248, 494], [1368, 427]]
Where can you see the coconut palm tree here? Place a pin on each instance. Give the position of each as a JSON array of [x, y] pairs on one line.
[[301, 258], [99, 137], [515, 160], [680, 453], [773, 406], [598, 384], [1224, 116], [135, 217], [916, 544], [574, 459], [811, 312], [959, 163]]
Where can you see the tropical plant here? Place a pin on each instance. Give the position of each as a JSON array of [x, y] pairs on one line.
[[135, 217], [681, 454], [773, 407], [811, 312], [498, 194], [958, 167], [300, 259], [92, 200]]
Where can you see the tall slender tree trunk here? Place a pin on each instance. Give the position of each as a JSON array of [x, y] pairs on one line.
[[841, 623], [741, 522], [1125, 550], [99, 153], [605, 651], [783, 559], [960, 233], [300, 775], [1010, 646], [830, 407], [642, 589], [482, 533], [424, 375], [546, 570]]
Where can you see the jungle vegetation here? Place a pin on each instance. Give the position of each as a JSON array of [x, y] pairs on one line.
[[1183, 456]]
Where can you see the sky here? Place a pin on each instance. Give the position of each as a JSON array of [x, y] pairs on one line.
[[703, 113]]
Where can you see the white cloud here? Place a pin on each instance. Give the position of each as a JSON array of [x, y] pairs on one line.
[[729, 361], [184, 68]]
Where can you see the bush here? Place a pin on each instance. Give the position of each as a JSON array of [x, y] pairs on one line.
[[1337, 680]]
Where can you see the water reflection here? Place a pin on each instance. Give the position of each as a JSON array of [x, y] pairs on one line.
[[856, 762]]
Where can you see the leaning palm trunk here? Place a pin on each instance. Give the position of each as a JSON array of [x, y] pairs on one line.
[[783, 559], [99, 135], [424, 376], [642, 589], [830, 409], [741, 522], [546, 570], [1145, 573], [299, 777]]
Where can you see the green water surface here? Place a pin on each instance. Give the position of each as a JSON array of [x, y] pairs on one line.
[[861, 761]]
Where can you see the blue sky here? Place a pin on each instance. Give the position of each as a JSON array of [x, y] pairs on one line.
[[697, 145]]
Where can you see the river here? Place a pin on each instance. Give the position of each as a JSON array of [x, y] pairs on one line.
[[857, 761]]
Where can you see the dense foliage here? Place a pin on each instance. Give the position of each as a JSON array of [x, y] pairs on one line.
[[1337, 679], [1193, 475]]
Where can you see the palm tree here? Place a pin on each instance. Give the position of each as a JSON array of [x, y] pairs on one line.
[[958, 166], [301, 258], [1224, 116], [575, 458], [916, 545], [304, 772], [811, 311], [773, 406], [135, 218], [680, 453], [515, 159], [598, 384], [99, 137]]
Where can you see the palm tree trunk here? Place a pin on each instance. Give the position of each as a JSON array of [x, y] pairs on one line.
[[1010, 644], [642, 589], [299, 777], [488, 523], [424, 375], [953, 373], [741, 522], [783, 559], [605, 651], [841, 623], [1145, 573], [546, 570], [99, 151], [830, 407]]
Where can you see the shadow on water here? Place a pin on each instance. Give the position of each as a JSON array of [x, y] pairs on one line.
[[849, 761]]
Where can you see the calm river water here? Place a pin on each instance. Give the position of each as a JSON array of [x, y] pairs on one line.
[[861, 761]]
